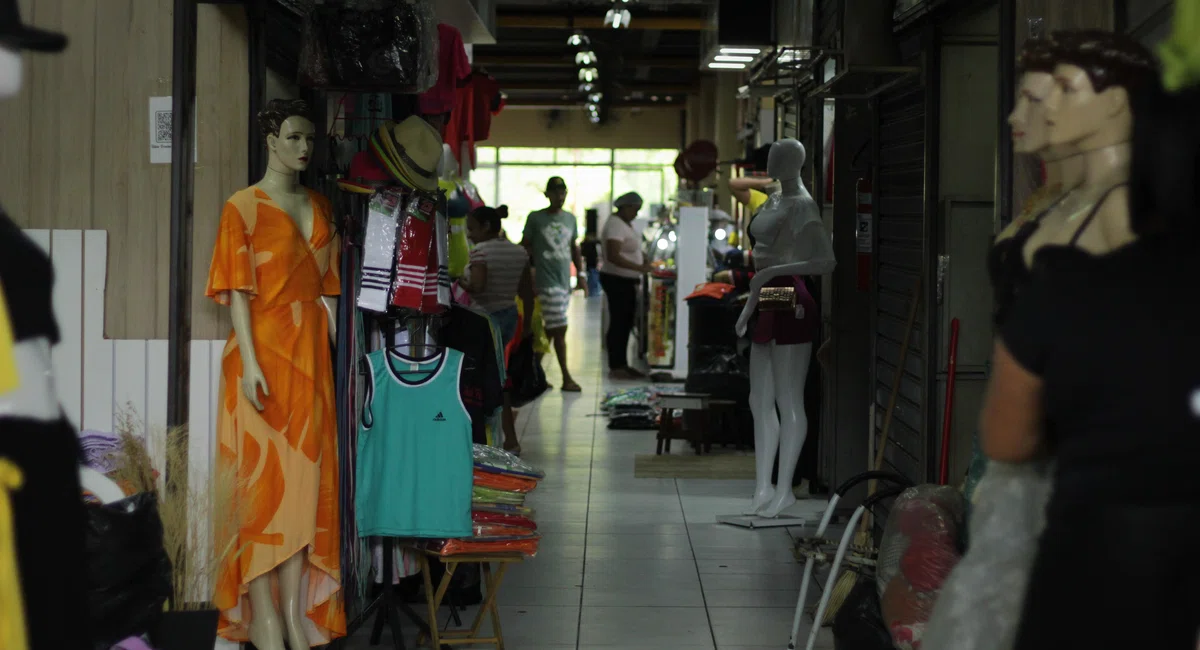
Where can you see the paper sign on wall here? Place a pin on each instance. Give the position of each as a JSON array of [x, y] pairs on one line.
[[162, 132]]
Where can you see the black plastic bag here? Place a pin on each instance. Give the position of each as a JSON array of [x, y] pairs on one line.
[[370, 46], [859, 623], [128, 568], [528, 378]]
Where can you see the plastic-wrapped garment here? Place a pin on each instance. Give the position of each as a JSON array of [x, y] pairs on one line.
[[370, 46], [379, 250], [918, 551], [981, 601], [527, 547], [460, 248], [975, 472], [484, 517], [503, 508], [413, 245], [128, 568], [497, 460], [504, 481], [492, 495]]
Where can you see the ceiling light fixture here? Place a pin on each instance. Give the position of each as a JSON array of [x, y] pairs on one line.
[[585, 88], [741, 50], [617, 18], [589, 74], [595, 97], [585, 57], [578, 39], [733, 58], [727, 66]]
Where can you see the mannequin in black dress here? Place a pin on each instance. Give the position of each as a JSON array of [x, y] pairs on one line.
[[35, 437], [1113, 390]]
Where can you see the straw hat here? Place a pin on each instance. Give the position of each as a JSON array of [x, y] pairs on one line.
[[409, 151]]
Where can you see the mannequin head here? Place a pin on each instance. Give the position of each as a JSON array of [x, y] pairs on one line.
[[1028, 117], [10, 72], [289, 133], [1095, 72], [786, 159]]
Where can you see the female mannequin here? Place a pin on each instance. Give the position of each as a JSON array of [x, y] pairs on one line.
[[790, 241], [276, 266], [1064, 171], [1088, 110], [43, 587]]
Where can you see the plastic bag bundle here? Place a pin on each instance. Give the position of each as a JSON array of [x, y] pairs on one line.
[[503, 508], [490, 539], [128, 568], [981, 601], [918, 551], [483, 494], [495, 459], [370, 46], [520, 521]]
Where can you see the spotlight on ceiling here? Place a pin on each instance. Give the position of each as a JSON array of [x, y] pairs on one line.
[[617, 18], [586, 87], [589, 74], [595, 97], [594, 118], [578, 39], [585, 57]]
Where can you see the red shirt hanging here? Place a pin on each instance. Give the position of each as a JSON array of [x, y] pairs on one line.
[[453, 67], [471, 121]]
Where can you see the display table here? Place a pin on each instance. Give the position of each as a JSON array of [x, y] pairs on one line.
[[713, 411], [491, 585]]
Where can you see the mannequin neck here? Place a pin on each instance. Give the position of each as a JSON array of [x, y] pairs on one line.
[[790, 186], [1066, 171], [1107, 165], [280, 178]]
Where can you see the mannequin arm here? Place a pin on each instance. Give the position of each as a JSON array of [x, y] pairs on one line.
[[252, 375], [330, 303]]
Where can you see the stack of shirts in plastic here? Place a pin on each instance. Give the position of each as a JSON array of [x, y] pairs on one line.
[[635, 408], [503, 524]]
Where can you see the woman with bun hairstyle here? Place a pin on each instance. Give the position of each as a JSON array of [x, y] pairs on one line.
[[1098, 362]]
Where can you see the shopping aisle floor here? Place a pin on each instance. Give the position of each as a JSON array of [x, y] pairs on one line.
[[631, 563]]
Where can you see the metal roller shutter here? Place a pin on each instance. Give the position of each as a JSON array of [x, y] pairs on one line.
[[788, 113], [900, 252]]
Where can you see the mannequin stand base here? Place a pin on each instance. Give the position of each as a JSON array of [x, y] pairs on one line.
[[802, 513]]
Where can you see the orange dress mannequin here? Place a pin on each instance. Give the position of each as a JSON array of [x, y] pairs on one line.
[[283, 444]]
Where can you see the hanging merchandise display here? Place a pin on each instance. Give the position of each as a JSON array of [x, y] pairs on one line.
[[478, 98], [370, 46], [453, 69], [379, 249], [414, 448]]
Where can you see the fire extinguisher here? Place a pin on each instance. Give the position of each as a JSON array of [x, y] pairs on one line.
[[864, 232]]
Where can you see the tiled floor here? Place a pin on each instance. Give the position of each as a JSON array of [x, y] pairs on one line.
[[637, 564]]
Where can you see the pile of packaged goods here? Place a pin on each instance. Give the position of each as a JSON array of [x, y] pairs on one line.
[[502, 523], [635, 408]]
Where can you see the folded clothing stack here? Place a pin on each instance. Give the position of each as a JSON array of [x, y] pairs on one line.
[[502, 522]]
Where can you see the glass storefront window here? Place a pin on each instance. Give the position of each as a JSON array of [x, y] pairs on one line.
[[584, 156], [648, 157], [526, 155], [485, 156]]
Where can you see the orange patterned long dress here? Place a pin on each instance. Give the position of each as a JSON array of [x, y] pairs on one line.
[[286, 456]]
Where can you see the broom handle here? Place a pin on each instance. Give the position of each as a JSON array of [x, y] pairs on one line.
[[891, 407]]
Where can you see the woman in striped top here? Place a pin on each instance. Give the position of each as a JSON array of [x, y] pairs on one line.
[[498, 273]]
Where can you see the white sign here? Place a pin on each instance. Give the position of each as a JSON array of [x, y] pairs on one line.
[[162, 132]]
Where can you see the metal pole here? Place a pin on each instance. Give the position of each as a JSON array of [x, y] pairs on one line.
[[179, 336], [1008, 92], [256, 40]]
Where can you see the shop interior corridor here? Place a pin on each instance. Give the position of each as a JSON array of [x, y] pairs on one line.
[[633, 563]]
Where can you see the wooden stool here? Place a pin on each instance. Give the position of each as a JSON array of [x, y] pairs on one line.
[[491, 585]]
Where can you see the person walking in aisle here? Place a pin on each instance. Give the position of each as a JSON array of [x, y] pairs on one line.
[[499, 272], [591, 252], [620, 276], [550, 238]]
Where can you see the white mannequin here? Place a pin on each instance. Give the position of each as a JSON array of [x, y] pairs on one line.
[[288, 155], [790, 240]]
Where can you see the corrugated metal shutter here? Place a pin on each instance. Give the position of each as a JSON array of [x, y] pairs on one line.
[[788, 113], [900, 252]]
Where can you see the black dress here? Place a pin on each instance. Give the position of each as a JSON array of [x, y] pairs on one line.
[[1116, 341], [48, 509]]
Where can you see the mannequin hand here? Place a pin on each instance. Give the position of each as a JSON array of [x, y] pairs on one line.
[[252, 380], [747, 311]]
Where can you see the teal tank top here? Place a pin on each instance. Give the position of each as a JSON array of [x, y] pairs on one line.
[[415, 463]]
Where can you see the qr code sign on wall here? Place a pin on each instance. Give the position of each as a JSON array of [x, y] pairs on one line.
[[162, 127]]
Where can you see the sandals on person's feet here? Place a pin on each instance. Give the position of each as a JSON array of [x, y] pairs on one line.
[[571, 387]]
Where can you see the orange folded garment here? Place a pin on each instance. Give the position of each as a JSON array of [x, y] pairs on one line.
[[504, 482]]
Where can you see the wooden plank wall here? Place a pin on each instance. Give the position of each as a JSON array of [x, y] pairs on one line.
[[1055, 15], [76, 146]]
